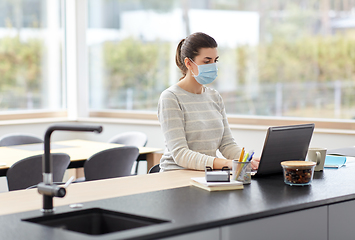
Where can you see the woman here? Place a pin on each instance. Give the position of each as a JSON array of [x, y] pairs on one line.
[[192, 116]]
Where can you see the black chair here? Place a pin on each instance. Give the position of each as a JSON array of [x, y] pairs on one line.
[[154, 169], [137, 139], [28, 171], [18, 139], [110, 163]]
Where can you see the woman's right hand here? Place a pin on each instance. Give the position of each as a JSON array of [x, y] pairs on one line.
[[255, 163]]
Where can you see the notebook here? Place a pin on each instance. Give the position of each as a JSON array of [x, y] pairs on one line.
[[215, 186], [281, 144], [334, 161]]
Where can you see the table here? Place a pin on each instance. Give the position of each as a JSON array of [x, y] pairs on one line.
[[78, 150], [265, 209]]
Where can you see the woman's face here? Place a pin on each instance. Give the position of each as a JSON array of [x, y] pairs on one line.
[[206, 56]]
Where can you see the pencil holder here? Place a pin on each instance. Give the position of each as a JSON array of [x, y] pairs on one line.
[[241, 171]]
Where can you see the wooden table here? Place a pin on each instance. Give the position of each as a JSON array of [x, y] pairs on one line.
[[78, 150], [26, 200]]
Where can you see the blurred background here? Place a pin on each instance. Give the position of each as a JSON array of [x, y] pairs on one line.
[[284, 58]]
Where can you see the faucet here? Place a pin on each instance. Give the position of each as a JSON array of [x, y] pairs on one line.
[[47, 188]]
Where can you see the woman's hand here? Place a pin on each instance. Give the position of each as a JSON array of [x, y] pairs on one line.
[[255, 163], [218, 163]]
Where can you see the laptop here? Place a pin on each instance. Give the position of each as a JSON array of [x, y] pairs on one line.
[[281, 144]]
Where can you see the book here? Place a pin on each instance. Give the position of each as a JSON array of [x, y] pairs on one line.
[[334, 161], [215, 186]]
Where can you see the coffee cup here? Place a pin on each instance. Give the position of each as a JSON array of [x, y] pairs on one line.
[[317, 155]]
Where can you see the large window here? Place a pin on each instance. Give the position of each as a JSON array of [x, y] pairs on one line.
[[284, 58], [31, 60]]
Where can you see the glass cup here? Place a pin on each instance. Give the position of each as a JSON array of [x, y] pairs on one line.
[[241, 171]]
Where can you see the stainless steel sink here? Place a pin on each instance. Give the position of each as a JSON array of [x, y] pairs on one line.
[[94, 221]]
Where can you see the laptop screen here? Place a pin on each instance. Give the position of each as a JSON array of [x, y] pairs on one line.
[[284, 143]]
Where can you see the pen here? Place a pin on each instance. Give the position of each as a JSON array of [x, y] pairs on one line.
[[250, 157], [246, 157]]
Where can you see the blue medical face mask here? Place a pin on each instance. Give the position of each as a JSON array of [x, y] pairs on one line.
[[207, 73]]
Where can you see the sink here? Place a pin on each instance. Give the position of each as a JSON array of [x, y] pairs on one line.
[[94, 221]]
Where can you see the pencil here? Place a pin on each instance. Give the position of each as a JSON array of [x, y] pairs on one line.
[[241, 155]]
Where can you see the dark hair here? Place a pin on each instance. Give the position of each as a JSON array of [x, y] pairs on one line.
[[190, 47]]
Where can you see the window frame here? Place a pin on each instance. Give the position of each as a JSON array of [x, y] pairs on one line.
[[24, 114], [38, 114], [77, 90], [236, 122]]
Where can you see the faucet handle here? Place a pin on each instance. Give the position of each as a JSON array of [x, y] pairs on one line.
[[51, 190], [70, 180]]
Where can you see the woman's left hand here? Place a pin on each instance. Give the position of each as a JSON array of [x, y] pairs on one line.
[[255, 163]]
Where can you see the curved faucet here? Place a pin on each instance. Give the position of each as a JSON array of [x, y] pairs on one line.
[[47, 189]]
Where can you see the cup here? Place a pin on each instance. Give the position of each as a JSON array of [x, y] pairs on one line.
[[241, 171], [317, 155]]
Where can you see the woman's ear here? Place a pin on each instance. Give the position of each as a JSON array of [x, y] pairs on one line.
[[187, 63]]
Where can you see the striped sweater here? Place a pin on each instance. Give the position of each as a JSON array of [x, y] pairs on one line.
[[194, 127]]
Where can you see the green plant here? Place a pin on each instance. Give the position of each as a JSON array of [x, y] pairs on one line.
[[20, 69], [136, 65]]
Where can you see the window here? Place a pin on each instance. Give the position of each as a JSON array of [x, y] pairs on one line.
[[31, 60], [285, 58]]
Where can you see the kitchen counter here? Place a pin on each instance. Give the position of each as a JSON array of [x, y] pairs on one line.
[[190, 209]]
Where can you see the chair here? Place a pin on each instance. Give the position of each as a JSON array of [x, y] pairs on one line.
[[18, 139], [110, 163], [154, 169], [28, 171], [137, 139]]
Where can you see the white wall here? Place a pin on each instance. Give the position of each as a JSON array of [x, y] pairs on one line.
[[248, 138]]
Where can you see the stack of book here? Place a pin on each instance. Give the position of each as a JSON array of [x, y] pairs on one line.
[[216, 186]]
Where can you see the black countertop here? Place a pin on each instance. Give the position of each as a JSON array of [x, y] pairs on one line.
[[191, 209]]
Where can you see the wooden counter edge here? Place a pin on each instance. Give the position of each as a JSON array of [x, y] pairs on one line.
[[27, 200]]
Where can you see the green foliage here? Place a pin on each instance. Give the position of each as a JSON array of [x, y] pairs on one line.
[[132, 64], [158, 5], [20, 71], [20, 63], [306, 59]]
